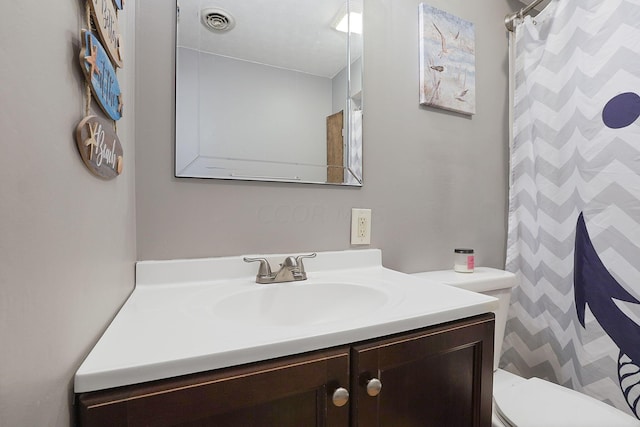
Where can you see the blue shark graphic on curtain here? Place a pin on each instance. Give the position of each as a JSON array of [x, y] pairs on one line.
[[574, 200], [597, 288]]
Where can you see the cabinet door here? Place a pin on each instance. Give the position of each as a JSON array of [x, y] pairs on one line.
[[441, 376], [296, 392]]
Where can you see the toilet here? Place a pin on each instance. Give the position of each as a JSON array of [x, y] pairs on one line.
[[520, 402]]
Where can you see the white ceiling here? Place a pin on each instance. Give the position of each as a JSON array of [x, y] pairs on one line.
[[292, 34]]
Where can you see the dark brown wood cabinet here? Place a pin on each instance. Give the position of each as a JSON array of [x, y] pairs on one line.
[[295, 391], [437, 376], [441, 377]]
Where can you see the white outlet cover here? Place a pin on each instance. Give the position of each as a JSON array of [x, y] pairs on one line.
[[360, 226]]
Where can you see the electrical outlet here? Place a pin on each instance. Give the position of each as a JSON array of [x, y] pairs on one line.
[[360, 226]]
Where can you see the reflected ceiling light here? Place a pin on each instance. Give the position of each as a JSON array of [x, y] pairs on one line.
[[356, 23], [351, 21]]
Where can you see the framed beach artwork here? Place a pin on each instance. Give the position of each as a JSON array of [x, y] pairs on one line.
[[447, 61]]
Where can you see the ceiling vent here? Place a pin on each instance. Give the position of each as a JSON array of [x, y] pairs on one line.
[[217, 20]]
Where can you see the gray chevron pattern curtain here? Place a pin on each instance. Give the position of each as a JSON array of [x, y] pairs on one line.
[[574, 213]]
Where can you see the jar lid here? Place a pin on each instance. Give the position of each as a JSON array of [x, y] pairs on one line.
[[463, 251]]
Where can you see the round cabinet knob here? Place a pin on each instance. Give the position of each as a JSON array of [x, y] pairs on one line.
[[373, 387], [340, 396]]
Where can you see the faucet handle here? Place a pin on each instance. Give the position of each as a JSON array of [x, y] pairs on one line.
[[299, 259], [264, 271]]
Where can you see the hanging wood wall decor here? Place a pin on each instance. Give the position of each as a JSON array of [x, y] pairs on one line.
[[99, 147], [97, 139], [106, 21], [101, 75]]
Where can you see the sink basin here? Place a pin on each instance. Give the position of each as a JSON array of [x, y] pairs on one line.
[[294, 304]]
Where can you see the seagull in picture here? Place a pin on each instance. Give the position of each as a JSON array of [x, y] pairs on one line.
[[464, 90], [442, 40], [460, 97]]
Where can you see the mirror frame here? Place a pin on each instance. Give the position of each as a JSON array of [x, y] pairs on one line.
[[351, 168]]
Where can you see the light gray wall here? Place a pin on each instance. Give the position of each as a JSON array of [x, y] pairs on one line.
[[435, 180], [67, 238]]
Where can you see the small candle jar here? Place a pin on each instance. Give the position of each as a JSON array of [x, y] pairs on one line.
[[464, 260]]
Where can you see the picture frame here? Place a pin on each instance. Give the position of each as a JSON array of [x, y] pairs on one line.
[[447, 61]]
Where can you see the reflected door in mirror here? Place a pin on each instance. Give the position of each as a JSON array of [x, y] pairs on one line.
[[335, 151]]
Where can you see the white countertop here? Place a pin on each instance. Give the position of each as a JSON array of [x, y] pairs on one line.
[[169, 325]]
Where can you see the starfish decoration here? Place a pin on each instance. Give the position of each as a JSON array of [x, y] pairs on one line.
[[91, 141], [120, 104], [92, 59]]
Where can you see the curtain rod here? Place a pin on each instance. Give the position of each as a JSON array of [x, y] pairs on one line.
[[508, 20]]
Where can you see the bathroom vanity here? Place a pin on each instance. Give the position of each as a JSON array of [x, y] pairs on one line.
[[399, 351]]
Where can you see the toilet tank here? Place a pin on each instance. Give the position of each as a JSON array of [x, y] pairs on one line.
[[485, 280]]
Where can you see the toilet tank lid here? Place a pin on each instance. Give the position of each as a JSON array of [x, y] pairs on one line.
[[482, 279], [536, 402]]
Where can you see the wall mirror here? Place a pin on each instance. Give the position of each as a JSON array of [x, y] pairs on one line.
[[269, 90]]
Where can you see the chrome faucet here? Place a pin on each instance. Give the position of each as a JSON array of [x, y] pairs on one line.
[[290, 270]]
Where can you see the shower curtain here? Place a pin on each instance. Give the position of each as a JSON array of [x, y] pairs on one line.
[[574, 202]]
